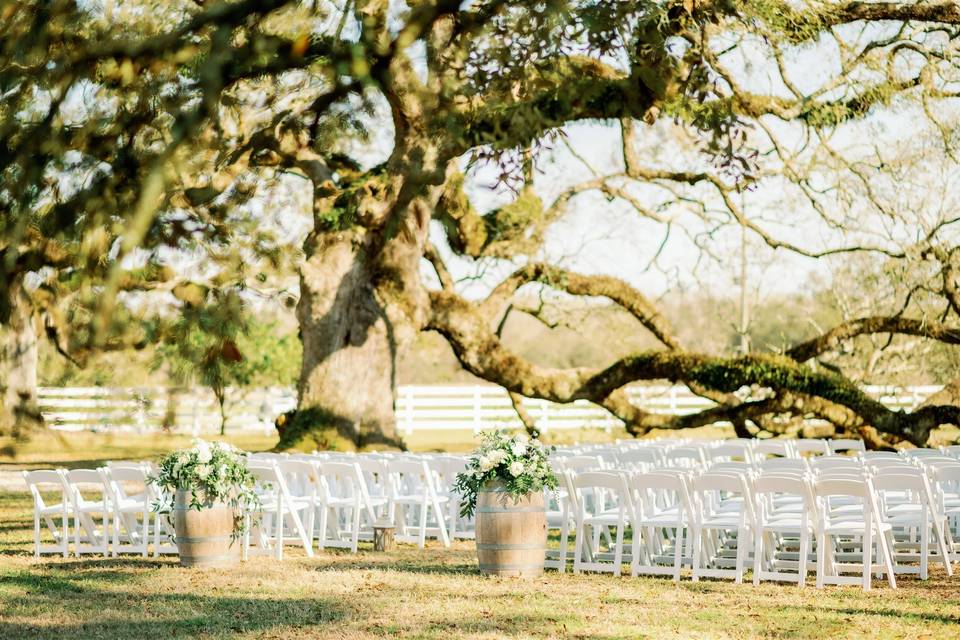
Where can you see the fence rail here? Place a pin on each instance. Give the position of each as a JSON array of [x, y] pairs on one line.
[[418, 407]]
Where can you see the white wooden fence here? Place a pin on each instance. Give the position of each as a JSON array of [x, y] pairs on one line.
[[418, 408]]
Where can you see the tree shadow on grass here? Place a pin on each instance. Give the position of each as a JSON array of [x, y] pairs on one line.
[[94, 613], [412, 566], [920, 616]]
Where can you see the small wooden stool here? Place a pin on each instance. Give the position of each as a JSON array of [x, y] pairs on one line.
[[383, 535]]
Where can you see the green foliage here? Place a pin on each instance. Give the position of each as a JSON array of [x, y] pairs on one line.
[[210, 472], [315, 428], [519, 464], [217, 344]]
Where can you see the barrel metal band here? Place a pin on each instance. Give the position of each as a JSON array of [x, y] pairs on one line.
[[510, 567], [519, 546], [203, 538], [507, 510], [205, 559]]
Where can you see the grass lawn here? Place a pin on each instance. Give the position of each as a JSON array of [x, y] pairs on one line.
[[434, 593]]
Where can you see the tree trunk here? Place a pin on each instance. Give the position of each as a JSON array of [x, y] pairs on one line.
[[18, 366], [358, 304], [221, 395]]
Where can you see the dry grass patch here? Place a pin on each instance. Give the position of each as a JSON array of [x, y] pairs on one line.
[[435, 593]]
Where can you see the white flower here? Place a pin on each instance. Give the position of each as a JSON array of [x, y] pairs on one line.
[[203, 471], [486, 463], [516, 468], [519, 448], [203, 452], [497, 456]]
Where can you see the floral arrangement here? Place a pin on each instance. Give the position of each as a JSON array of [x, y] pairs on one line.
[[519, 463], [211, 472]]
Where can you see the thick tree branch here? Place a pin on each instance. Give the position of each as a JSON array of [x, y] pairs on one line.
[[577, 284], [874, 324], [481, 353]]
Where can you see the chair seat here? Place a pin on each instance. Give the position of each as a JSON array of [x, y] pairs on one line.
[[55, 509], [603, 519], [91, 506], [721, 521], [785, 525], [132, 505], [852, 527]]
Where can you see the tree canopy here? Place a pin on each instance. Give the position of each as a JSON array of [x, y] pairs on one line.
[[123, 137]]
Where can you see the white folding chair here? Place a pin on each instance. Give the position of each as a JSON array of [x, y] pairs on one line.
[[859, 521], [412, 486], [784, 508], [912, 509], [300, 478], [798, 466], [91, 498], [130, 505], [692, 457], [639, 459], [561, 514], [813, 446], [578, 464], [616, 509], [773, 447], [824, 463], [343, 504], [731, 451], [842, 445], [724, 506], [664, 513], [277, 506], [376, 480], [50, 482], [446, 469], [946, 487]]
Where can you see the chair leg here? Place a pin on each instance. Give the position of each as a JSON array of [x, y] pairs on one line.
[[564, 532], [278, 534], [76, 534], [441, 524], [36, 533], [618, 550], [65, 523], [324, 512], [423, 525], [757, 556], [924, 545], [885, 549], [678, 553], [942, 545], [804, 551], [822, 542], [868, 554], [743, 541], [578, 547], [356, 528], [697, 535]]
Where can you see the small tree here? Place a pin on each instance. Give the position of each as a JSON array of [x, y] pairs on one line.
[[201, 346]]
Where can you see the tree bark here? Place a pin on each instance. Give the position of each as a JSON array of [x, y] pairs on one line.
[[19, 412], [360, 300], [347, 380]]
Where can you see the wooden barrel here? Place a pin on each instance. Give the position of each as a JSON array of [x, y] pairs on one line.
[[204, 536], [511, 533]]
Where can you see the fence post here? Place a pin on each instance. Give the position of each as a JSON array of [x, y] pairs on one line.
[[477, 406], [543, 424]]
